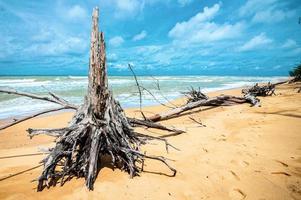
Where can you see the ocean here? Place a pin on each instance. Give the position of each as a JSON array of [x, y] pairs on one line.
[[73, 89]]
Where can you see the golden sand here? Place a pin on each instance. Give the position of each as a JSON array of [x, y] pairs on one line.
[[243, 153]]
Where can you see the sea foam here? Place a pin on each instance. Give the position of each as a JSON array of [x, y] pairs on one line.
[[73, 89]]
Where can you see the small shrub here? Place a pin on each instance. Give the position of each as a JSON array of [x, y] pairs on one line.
[[296, 73]]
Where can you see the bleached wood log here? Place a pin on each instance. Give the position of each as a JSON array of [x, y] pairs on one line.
[[56, 100], [17, 121], [223, 100]]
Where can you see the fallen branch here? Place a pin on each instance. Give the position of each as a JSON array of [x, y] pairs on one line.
[[154, 97], [17, 121], [222, 100], [54, 99], [256, 90], [151, 124], [252, 99], [139, 90], [159, 89]]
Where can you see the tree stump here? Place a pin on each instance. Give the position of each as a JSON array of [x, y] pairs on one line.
[[99, 128]]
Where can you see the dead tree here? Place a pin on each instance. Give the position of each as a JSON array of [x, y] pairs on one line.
[[99, 128]]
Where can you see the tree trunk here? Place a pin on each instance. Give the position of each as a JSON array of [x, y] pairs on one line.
[[98, 83], [99, 128]]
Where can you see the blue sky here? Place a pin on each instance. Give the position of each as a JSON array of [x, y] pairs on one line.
[[158, 37]]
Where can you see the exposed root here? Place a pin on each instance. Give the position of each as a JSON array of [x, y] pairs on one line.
[[194, 95], [81, 147]]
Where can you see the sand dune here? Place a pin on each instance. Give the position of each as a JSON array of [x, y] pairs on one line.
[[242, 152]]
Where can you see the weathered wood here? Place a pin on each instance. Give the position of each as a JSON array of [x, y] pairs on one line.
[[139, 90], [67, 105], [223, 100], [98, 83], [150, 124], [194, 95], [257, 90], [99, 128], [17, 121], [55, 98], [252, 99], [51, 132], [197, 99]]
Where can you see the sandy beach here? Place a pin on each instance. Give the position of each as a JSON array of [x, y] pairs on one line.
[[242, 152]]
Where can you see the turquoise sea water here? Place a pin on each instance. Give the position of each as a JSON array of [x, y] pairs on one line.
[[73, 89]]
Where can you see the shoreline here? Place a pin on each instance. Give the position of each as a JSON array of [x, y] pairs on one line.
[[211, 90], [126, 108]]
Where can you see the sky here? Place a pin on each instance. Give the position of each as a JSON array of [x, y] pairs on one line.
[[157, 37]]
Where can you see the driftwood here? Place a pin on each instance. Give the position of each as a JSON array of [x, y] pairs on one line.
[[157, 84], [252, 99], [67, 105], [197, 99], [253, 92], [256, 90], [222, 100], [17, 121], [150, 124], [194, 95], [99, 128], [53, 98], [139, 90]]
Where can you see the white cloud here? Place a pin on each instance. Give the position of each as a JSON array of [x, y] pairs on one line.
[[252, 6], [184, 2], [125, 8], [140, 36], [148, 50], [267, 11], [200, 28], [256, 42], [116, 41], [289, 43], [51, 40], [128, 5], [66, 44], [272, 16], [45, 34], [120, 67], [76, 12]]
